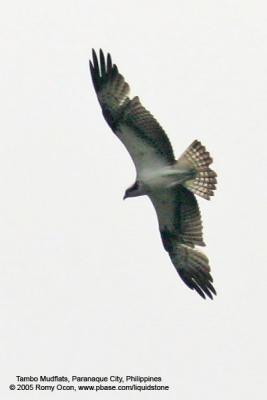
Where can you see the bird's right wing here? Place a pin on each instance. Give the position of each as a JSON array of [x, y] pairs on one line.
[[181, 229], [138, 130]]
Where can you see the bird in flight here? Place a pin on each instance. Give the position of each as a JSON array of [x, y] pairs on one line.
[[170, 184]]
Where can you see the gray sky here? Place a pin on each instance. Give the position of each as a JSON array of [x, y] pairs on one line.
[[86, 287]]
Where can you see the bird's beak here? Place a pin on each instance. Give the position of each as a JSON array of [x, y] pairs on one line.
[[124, 197]]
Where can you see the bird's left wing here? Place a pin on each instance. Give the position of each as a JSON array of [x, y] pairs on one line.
[[181, 229], [138, 130]]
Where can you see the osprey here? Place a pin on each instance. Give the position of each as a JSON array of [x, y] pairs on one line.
[[170, 184]]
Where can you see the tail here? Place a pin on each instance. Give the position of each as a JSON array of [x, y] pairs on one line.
[[198, 159]]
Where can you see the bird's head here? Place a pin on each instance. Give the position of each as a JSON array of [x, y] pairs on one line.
[[133, 191]]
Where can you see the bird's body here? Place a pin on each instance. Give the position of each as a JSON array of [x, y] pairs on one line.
[[170, 184], [161, 179]]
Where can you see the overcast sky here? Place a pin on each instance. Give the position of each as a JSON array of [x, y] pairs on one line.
[[86, 287]]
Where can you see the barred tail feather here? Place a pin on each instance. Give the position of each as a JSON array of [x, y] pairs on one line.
[[193, 268], [198, 158]]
